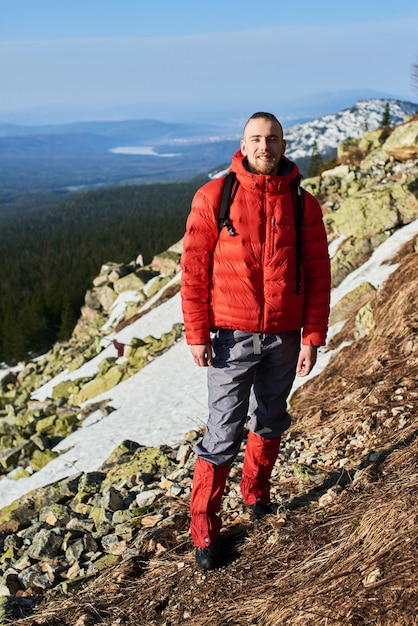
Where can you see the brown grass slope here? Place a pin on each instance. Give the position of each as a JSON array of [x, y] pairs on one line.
[[340, 552]]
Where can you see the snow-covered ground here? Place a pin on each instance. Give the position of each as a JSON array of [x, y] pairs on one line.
[[168, 397]]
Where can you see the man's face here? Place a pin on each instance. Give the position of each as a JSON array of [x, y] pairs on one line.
[[263, 145]]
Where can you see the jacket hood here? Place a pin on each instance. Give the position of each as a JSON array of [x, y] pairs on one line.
[[287, 170]]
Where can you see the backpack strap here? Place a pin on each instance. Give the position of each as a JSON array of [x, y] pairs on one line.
[[228, 195], [298, 197]]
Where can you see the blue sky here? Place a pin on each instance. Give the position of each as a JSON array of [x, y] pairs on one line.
[[104, 59]]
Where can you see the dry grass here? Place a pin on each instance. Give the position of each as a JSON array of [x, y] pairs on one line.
[[351, 562]]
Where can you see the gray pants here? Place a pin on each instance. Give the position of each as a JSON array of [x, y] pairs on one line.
[[251, 376]]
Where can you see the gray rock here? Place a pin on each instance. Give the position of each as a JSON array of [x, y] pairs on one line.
[[45, 544]]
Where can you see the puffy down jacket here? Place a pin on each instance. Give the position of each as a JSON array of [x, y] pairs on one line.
[[248, 281]]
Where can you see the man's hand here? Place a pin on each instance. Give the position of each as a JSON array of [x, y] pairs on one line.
[[306, 360], [202, 354]]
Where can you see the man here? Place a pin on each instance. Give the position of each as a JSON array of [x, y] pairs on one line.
[[241, 285]]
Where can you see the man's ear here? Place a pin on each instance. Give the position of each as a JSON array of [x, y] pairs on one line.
[[243, 149], [284, 145]]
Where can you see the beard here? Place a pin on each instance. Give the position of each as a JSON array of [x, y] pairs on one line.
[[268, 166]]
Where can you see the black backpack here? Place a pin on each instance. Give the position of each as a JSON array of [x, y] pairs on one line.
[[230, 188]]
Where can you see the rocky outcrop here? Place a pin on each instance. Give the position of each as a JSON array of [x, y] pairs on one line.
[[139, 282], [74, 528], [402, 144], [29, 429], [371, 192]]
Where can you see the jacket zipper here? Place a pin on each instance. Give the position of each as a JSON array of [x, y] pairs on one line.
[[263, 255]]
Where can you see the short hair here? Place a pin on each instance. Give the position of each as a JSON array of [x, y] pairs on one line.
[[266, 116]]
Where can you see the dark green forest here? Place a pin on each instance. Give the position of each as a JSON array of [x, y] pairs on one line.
[[49, 257]]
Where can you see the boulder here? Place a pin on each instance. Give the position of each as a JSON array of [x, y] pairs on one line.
[[403, 141]]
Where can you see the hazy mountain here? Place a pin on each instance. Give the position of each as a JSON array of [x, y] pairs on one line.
[[289, 109], [83, 154]]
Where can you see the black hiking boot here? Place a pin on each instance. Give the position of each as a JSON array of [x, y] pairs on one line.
[[208, 558], [261, 510]]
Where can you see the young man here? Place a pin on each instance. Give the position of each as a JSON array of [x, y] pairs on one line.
[[241, 285]]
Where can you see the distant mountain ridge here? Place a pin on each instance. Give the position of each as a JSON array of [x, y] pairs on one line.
[[64, 157]]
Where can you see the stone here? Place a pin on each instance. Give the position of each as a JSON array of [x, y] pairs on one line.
[[364, 322], [99, 385], [112, 544], [167, 262], [37, 577], [41, 458], [151, 520], [45, 544], [54, 515], [105, 296], [351, 302], [89, 484], [112, 500], [146, 498], [131, 282], [402, 143], [102, 520]]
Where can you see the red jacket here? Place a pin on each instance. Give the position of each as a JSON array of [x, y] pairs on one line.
[[248, 281]]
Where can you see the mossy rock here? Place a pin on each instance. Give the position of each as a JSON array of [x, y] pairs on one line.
[[66, 424], [105, 561], [365, 321], [20, 473], [46, 425], [372, 140], [367, 213], [106, 364], [77, 361], [26, 421], [100, 517], [41, 458], [131, 282], [6, 442], [403, 142], [121, 454], [68, 388], [89, 484], [349, 256], [350, 302], [149, 462], [100, 384], [155, 285], [10, 458]]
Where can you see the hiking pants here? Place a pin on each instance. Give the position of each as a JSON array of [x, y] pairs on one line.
[[251, 376]]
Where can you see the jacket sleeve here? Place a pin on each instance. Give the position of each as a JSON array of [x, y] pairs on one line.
[[317, 274], [198, 246]]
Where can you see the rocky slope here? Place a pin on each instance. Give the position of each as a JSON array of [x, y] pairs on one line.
[[111, 546]]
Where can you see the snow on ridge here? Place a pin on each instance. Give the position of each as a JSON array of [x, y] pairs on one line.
[[330, 130]]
